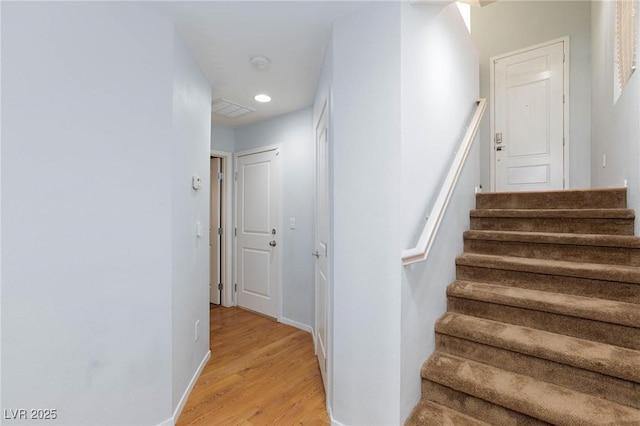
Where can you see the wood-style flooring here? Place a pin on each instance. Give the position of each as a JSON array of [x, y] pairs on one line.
[[261, 372]]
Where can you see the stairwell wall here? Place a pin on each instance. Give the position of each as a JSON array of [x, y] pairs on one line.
[[394, 128], [365, 209], [439, 90], [615, 126]]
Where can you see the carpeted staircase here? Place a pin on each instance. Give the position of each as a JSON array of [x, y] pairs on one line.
[[543, 320]]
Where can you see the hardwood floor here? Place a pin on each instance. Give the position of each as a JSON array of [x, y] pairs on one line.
[[261, 372]]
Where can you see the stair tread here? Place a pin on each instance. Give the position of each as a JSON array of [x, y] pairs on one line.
[[536, 398], [607, 272], [610, 311], [432, 413], [558, 191], [598, 240], [556, 213], [603, 358]]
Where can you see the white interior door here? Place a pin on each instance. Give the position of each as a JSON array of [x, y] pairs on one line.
[[529, 108], [257, 244], [215, 239], [322, 238]]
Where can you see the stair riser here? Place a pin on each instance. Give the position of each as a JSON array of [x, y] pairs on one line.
[[610, 290], [609, 199], [562, 225], [429, 413], [628, 337], [475, 407], [567, 252], [593, 383], [525, 394]]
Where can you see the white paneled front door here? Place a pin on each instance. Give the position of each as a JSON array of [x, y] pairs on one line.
[[529, 111], [258, 239]]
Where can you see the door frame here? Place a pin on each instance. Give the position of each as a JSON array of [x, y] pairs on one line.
[[326, 108], [567, 101], [227, 226], [279, 220], [216, 208], [324, 112]]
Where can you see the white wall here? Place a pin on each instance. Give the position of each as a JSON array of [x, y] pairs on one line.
[[506, 26], [294, 132], [402, 88], [615, 128], [366, 214], [1, 239], [86, 231], [440, 88], [191, 139], [223, 139], [104, 120]]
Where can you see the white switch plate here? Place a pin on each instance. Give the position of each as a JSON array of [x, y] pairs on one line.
[[199, 229], [292, 223], [196, 182]]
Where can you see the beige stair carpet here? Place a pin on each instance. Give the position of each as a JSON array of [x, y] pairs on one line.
[[543, 320]]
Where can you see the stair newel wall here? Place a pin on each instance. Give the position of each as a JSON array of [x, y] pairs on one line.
[[439, 95]]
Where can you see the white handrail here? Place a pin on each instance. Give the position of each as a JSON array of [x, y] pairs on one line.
[[421, 250]]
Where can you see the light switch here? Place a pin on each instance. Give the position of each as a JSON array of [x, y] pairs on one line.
[[199, 229], [292, 223]]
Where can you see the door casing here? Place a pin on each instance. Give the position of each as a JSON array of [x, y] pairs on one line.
[[227, 226], [216, 240]]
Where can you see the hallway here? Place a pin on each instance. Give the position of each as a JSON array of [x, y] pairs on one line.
[[261, 373]]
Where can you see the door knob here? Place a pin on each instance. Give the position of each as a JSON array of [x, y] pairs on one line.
[[272, 243], [316, 254]]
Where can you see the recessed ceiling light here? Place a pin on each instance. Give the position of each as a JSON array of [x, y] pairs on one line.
[[262, 98]]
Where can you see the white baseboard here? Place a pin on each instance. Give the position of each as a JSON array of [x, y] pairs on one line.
[[168, 422], [297, 324], [187, 391], [315, 341], [334, 422]]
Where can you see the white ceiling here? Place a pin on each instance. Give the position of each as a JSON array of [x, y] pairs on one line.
[[224, 35]]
